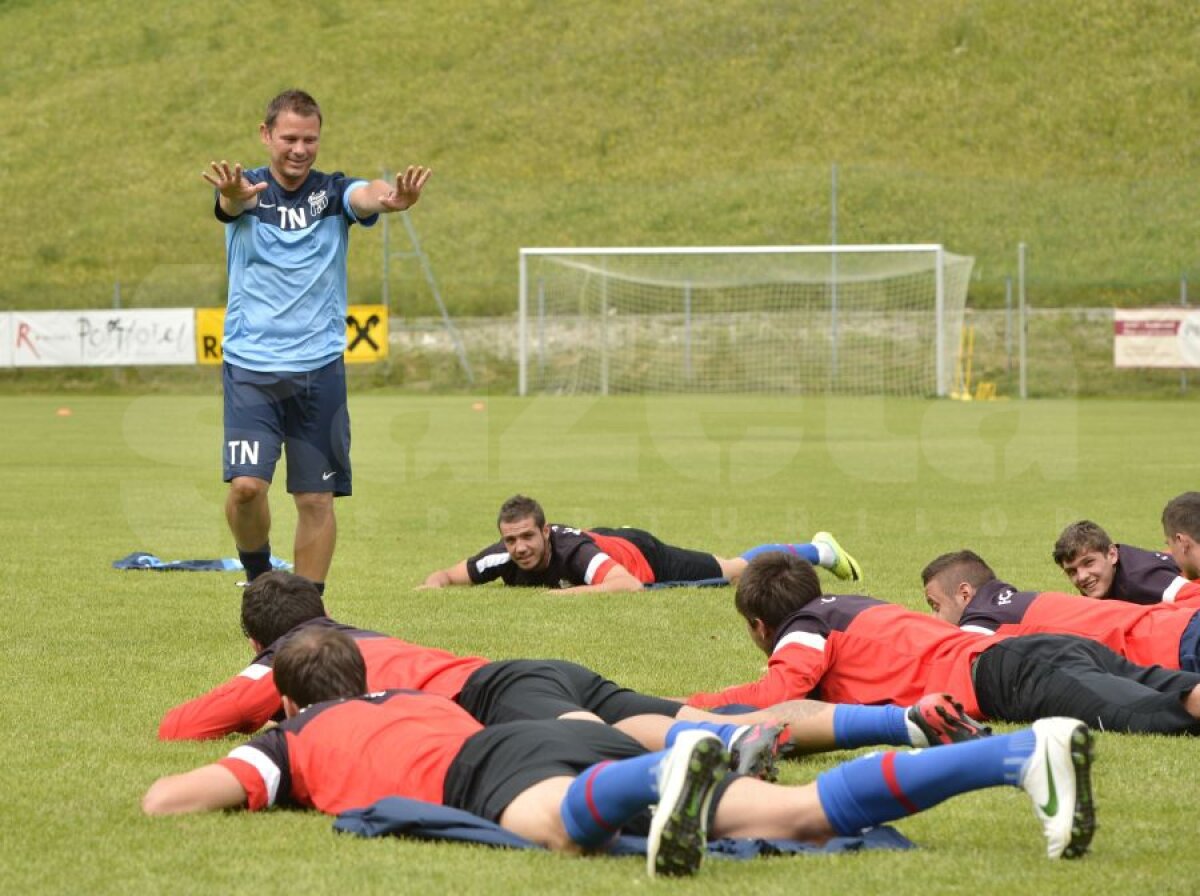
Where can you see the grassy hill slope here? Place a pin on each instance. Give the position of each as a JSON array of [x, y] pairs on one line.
[[1071, 127]]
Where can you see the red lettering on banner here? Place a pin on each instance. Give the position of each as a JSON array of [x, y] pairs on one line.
[[1146, 327], [23, 336]]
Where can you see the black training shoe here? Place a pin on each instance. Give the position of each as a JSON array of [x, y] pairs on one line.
[[940, 719], [753, 749]]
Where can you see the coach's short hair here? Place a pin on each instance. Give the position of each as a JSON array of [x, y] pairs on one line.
[[965, 566], [320, 664], [519, 507], [292, 101], [1182, 514], [1080, 538], [775, 585], [276, 602]]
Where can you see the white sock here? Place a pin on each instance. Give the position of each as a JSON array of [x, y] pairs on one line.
[[827, 557]]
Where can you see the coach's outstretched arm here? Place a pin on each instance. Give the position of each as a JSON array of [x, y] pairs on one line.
[[378, 196], [451, 575]]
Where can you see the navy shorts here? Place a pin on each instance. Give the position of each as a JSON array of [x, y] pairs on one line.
[[306, 412], [516, 690], [667, 562], [499, 763], [1033, 676]]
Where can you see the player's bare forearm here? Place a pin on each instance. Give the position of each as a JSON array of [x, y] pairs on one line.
[[205, 789], [614, 581], [452, 575]]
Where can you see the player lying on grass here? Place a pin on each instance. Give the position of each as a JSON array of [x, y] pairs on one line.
[[277, 606], [860, 650], [572, 785], [1181, 527], [963, 590], [532, 552], [1099, 568]]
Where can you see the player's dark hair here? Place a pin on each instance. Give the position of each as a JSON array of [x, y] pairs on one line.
[[774, 586], [1182, 514], [1080, 538], [276, 602], [962, 566], [519, 507], [320, 664], [292, 101]]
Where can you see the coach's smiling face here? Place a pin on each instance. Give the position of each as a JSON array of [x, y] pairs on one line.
[[292, 142], [527, 544]]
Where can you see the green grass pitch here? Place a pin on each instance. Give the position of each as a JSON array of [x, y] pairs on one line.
[[94, 656]]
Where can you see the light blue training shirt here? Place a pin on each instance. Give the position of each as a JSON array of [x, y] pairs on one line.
[[286, 261]]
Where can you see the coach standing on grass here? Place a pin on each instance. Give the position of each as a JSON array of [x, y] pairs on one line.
[[286, 230]]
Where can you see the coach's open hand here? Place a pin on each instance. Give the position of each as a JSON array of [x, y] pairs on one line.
[[408, 189], [231, 184]]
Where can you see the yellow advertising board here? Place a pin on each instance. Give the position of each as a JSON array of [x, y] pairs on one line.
[[366, 334], [210, 324]]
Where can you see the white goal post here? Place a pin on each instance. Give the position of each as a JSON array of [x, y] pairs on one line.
[[867, 320]]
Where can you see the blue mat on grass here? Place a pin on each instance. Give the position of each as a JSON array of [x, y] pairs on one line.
[[400, 817], [142, 560]]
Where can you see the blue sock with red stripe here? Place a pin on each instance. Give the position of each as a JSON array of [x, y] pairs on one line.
[[868, 726], [725, 732], [808, 551], [885, 786], [607, 795]]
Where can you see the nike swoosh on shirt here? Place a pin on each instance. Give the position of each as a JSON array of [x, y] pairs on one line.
[[266, 205], [1051, 805], [325, 476]]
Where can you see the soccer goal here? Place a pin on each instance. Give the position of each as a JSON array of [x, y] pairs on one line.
[[792, 319]]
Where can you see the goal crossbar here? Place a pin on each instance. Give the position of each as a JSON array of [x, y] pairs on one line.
[[611, 272]]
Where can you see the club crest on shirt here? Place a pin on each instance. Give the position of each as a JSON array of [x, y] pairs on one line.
[[318, 202]]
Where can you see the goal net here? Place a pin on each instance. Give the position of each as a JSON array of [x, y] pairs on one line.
[[793, 319]]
